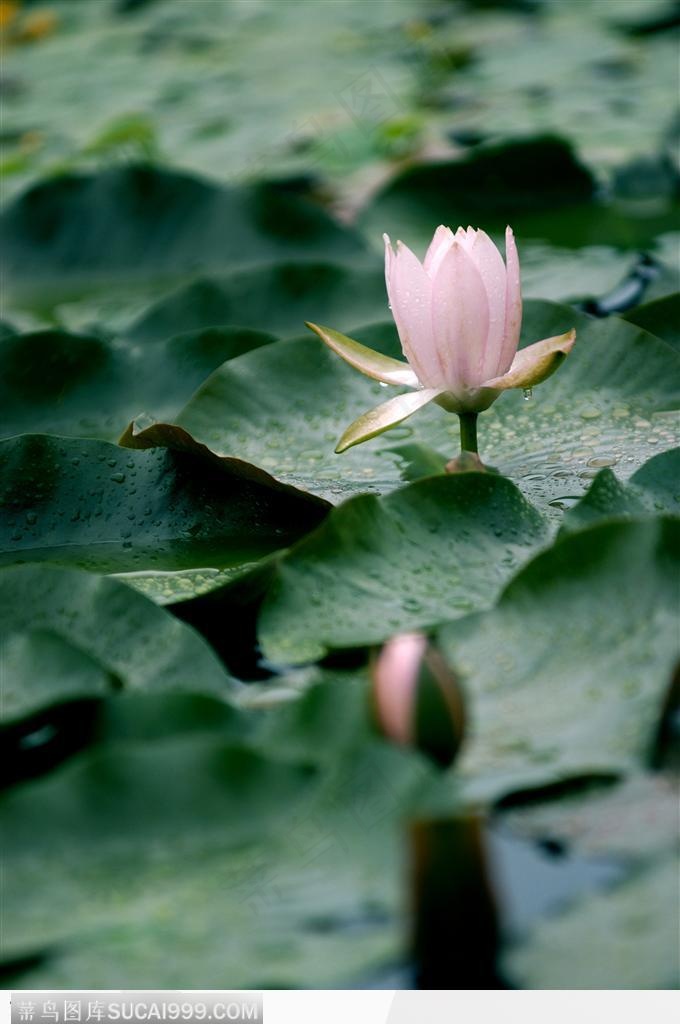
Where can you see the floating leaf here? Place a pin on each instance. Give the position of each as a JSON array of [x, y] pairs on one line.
[[258, 840], [625, 938], [284, 406], [424, 554], [277, 297], [58, 383], [97, 506], [567, 673], [68, 634], [158, 225], [660, 317], [652, 489]]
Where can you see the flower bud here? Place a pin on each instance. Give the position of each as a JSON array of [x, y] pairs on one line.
[[417, 700]]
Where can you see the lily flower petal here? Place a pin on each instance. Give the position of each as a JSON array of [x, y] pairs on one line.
[[513, 304], [535, 363], [387, 415], [491, 267], [437, 250], [410, 292], [460, 319], [367, 360]]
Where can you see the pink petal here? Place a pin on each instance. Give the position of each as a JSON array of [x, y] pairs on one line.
[[410, 293], [438, 248], [460, 316], [489, 263], [513, 305], [389, 259], [466, 237]]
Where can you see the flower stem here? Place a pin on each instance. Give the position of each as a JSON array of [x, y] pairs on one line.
[[468, 431]]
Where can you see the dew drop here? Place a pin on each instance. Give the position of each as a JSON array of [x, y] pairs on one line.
[[600, 461], [527, 393], [590, 412], [566, 502]]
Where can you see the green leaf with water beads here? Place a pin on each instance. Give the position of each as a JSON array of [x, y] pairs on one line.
[[421, 555], [653, 489], [567, 673], [253, 832], [284, 406], [54, 382], [101, 507], [68, 634]]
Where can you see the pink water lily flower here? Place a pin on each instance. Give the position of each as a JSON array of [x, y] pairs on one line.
[[458, 315]]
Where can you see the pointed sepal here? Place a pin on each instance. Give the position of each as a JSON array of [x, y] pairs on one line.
[[535, 363], [387, 415], [367, 360]]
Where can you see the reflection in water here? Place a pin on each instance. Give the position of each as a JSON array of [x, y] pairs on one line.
[[476, 887]]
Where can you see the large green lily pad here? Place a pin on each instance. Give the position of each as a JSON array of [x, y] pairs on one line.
[[68, 634], [654, 488], [625, 938], [426, 553], [98, 506], [613, 402], [241, 864], [567, 674], [58, 383], [278, 297], [660, 317], [636, 819], [79, 233]]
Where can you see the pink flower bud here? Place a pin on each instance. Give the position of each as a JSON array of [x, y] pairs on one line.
[[416, 698]]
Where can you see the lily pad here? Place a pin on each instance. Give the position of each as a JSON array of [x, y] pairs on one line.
[[567, 674], [254, 840], [83, 232], [660, 317], [625, 938], [284, 407], [654, 488], [536, 183], [277, 297], [636, 820], [433, 550], [96, 506], [499, 181], [68, 634], [58, 383]]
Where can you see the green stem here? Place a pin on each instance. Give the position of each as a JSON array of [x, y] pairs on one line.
[[468, 431]]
